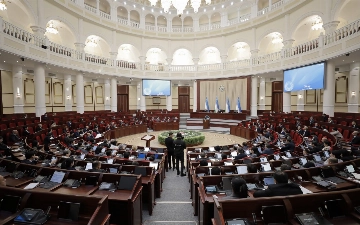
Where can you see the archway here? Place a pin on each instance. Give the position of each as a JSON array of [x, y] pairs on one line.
[[182, 56], [209, 55]]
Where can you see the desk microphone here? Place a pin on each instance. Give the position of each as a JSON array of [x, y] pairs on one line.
[[254, 217]]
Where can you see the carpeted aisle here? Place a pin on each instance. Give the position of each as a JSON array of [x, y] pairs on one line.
[[174, 207]]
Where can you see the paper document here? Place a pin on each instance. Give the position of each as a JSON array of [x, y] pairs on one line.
[[31, 186], [241, 169], [211, 149], [228, 163], [88, 166], [154, 164], [266, 167], [110, 161], [147, 137], [209, 163], [304, 190], [234, 153]]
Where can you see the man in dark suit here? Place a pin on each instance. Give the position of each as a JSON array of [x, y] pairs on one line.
[[241, 154], [14, 137], [280, 188], [38, 127], [306, 132], [289, 146], [268, 150], [355, 141], [354, 125], [30, 158], [26, 132], [169, 142], [96, 165]]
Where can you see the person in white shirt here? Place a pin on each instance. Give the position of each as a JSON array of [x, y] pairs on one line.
[[336, 133]]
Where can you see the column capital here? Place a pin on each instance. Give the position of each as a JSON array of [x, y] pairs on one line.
[[330, 26], [142, 58], [288, 43], [254, 53], [169, 61], [38, 30], [79, 46], [223, 58], [196, 61], [113, 55]]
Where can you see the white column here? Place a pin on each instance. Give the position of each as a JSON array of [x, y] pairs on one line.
[[138, 94], [18, 89], [169, 100], [196, 24], [40, 107], [300, 105], [113, 95], [262, 94], [353, 90], [98, 7], [254, 9], [68, 90], [80, 93], [142, 99], [194, 96], [270, 5], [107, 94], [113, 13], [287, 102], [329, 91], [254, 96]]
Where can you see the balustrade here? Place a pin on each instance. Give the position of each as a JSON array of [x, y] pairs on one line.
[[90, 8], [105, 15]]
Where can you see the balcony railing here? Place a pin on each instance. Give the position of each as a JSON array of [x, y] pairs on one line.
[[105, 15], [90, 8], [42, 43]]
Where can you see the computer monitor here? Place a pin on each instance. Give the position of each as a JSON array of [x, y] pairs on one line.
[[140, 170], [127, 182], [68, 210], [269, 180]]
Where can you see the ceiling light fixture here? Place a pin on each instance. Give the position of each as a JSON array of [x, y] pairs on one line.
[[91, 42], [317, 24], [3, 5], [50, 28], [277, 38], [179, 5]]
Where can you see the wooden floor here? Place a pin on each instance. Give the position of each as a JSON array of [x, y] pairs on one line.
[[211, 139]]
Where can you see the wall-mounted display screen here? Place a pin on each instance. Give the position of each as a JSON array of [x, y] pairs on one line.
[[305, 78], [156, 87]]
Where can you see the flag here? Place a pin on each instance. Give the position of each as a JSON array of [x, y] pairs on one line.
[[238, 106], [207, 104], [217, 108], [227, 106]]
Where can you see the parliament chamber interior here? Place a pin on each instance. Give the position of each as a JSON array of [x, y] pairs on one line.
[[180, 112]]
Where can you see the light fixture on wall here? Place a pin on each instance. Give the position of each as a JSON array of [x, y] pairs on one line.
[[107, 98], [50, 28], [276, 39], [91, 42], [179, 5], [261, 97], [18, 93], [300, 96], [353, 93], [68, 97], [317, 24], [3, 5]]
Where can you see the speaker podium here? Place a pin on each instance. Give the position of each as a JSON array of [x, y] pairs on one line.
[[148, 138], [206, 123]]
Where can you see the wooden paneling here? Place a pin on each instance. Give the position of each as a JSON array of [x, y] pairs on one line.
[[277, 86], [277, 102], [122, 89], [123, 103], [184, 90], [184, 103]]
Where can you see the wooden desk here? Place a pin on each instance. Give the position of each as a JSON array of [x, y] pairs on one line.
[[206, 124], [158, 126], [225, 116]]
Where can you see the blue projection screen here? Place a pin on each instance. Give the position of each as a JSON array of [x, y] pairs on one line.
[[156, 87], [304, 78]]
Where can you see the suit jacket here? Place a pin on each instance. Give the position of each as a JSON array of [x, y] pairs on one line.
[[26, 133], [37, 129], [306, 133], [268, 151], [288, 147], [14, 138], [169, 142], [240, 156], [279, 190], [355, 140]]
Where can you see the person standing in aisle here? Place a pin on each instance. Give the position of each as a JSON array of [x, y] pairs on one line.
[[169, 142], [179, 147]]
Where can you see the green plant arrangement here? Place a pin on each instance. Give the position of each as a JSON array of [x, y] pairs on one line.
[[191, 138]]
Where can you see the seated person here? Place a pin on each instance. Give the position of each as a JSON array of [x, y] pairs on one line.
[[66, 153], [241, 154], [2, 181], [38, 127], [5, 148], [201, 156], [126, 155], [26, 132], [280, 188], [336, 133], [309, 164], [14, 137], [96, 165], [251, 168], [223, 157], [254, 152], [288, 146], [68, 164], [239, 188], [354, 125], [215, 171], [30, 158], [326, 145], [346, 156], [268, 150], [332, 160], [356, 138], [284, 167], [203, 162]]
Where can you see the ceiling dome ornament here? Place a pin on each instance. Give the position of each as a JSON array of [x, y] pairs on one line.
[[3, 5], [179, 5]]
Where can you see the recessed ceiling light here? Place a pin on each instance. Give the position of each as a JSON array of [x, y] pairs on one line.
[[17, 61], [343, 60], [222, 6], [134, 6], [232, 3], [204, 10], [160, 11], [152, 10], [169, 12], [124, 3], [142, 8], [4, 61], [214, 8], [187, 12], [353, 61]]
